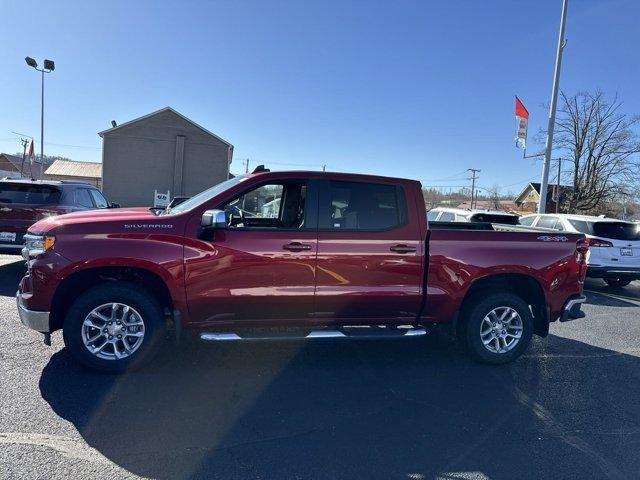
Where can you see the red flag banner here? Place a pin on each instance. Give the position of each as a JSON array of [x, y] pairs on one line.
[[31, 149], [522, 119]]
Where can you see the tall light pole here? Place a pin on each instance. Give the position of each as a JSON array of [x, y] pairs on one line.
[[49, 66], [542, 205]]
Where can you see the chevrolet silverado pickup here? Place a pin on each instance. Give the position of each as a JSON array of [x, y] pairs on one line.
[[293, 254]]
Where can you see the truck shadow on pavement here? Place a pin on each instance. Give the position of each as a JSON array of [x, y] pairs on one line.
[[10, 275], [406, 409]]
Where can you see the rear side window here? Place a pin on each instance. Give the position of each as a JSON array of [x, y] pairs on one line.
[[83, 198], [616, 230], [527, 221], [447, 217], [28, 193], [362, 206], [582, 226], [547, 222]]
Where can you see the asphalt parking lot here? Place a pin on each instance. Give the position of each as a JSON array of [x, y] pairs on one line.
[[401, 409]]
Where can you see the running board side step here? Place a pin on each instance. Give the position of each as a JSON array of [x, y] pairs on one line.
[[372, 333]]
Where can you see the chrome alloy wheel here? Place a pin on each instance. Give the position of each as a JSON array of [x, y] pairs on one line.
[[113, 331], [501, 330]]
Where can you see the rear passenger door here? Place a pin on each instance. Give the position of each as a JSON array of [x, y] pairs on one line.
[[369, 263]]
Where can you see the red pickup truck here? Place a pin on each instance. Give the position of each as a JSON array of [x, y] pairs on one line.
[[293, 254]]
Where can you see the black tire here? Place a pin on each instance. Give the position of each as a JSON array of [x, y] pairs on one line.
[[472, 318], [617, 282], [121, 292]]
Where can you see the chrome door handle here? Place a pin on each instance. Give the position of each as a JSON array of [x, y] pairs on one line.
[[296, 247], [402, 249]]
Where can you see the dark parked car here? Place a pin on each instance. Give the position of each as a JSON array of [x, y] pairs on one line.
[[24, 202]]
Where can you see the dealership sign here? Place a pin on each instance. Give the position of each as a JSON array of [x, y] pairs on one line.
[[161, 199], [522, 122]]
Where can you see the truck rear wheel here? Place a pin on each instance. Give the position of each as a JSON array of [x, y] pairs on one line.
[[497, 329], [113, 327]]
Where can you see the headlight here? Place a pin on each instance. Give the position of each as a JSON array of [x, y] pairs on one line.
[[36, 244]]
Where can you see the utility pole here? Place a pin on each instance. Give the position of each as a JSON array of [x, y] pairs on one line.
[[246, 165], [24, 143], [558, 185], [324, 168], [552, 111], [473, 182]]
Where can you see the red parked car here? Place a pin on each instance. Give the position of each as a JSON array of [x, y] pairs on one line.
[[24, 202], [282, 254]]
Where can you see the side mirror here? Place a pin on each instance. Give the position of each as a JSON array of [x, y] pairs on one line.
[[213, 219]]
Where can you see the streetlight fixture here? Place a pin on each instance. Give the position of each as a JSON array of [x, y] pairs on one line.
[[49, 66]]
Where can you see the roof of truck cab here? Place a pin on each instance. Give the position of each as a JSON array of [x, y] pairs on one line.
[[359, 177]]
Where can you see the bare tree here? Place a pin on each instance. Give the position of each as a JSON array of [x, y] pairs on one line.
[[600, 144], [493, 194]]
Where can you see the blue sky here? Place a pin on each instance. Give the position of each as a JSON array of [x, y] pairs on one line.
[[420, 89]]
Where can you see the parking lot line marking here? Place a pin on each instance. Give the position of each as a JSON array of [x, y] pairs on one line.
[[66, 446], [633, 300]]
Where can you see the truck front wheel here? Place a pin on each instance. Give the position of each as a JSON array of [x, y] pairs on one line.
[[113, 327], [497, 329]]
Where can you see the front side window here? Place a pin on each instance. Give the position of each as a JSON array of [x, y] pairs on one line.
[[99, 199], [447, 217], [269, 206], [83, 198], [361, 206]]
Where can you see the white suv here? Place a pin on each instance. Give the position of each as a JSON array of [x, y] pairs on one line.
[[614, 245]]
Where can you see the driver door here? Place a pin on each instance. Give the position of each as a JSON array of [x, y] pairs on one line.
[[263, 265]]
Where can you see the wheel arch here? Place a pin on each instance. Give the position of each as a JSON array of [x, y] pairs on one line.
[[81, 280], [525, 286]]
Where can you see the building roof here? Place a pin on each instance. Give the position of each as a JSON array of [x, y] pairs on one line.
[[165, 109], [13, 160], [72, 168], [564, 190]]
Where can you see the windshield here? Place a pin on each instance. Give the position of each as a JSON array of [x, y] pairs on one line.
[[206, 195]]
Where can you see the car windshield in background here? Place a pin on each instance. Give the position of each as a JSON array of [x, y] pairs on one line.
[[495, 218], [206, 195], [28, 194], [616, 230]]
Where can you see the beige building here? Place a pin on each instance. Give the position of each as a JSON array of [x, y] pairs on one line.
[[162, 151], [71, 170]]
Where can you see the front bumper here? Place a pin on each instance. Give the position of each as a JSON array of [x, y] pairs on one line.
[[571, 309], [38, 321], [614, 272]]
